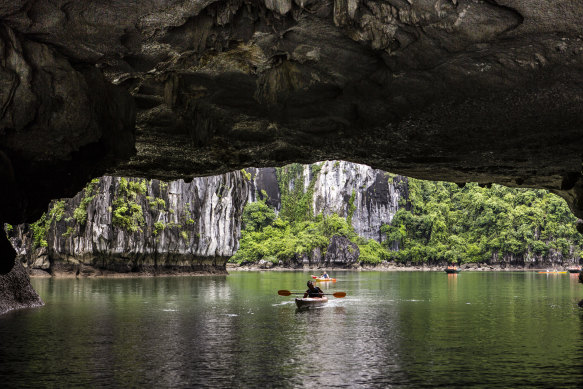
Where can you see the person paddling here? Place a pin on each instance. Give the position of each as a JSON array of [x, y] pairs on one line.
[[324, 275], [313, 291]]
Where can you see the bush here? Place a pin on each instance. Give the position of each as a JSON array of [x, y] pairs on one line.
[[372, 252]]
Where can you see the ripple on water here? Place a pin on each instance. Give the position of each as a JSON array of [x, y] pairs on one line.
[[406, 329]]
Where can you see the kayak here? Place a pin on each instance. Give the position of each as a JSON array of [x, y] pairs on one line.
[[452, 271], [324, 279], [552, 272], [309, 302]]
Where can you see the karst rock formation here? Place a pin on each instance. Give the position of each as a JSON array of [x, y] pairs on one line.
[[459, 90]]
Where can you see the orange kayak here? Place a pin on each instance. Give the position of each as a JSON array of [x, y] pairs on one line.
[[552, 272], [324, 279]]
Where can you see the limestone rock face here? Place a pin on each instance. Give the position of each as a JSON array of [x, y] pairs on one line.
[[264, 186], [342, 251], [368, 197], [127, 225], [178, 226], [373, 195]]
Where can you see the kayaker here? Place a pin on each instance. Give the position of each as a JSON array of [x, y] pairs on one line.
[[313, 291], [324, 275]]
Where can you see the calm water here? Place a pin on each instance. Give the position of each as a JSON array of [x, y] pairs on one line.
[[409, 329]]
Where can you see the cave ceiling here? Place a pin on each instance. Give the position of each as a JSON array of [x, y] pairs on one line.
[[460, 90]]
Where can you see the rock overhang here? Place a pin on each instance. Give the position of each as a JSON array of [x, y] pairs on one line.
[[458, 90]]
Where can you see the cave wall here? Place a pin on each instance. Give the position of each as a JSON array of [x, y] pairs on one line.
[[16, 291], [61, 124], [457, 90]]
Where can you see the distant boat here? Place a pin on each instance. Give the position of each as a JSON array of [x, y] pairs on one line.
[[324, 279], [552, 272], [452, 270]]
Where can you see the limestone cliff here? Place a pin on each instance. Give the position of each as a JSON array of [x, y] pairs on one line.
[[128, 225], [368, 197]]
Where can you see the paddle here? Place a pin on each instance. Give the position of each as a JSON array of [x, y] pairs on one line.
[[287, 293], [314, 277]]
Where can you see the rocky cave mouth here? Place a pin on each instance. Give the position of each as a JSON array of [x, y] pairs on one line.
[[459, 90]]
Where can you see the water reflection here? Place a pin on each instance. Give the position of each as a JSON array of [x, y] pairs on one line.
[[392, 329]]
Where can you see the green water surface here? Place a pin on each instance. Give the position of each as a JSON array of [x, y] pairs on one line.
[[394, 329]]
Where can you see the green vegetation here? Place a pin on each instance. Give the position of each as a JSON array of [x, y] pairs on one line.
[[474, 224], [275, 239], [80, 213], [158, 226], [296, 201], [127, 214], [296, 231], [351, 207], [257, 215], [372, 252], [156, 203], [188, 215], [439, 222], [246, 174], [40, 228], [69, 232]]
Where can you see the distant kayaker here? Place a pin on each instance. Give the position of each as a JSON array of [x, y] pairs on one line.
[[324, 275], [313, 291]]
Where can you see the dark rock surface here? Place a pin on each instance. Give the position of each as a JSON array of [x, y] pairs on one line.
[[457, 90], [264, 186], [16, 291], [342, 251]]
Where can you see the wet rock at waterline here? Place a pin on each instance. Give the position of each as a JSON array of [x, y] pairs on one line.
[[16, 291]]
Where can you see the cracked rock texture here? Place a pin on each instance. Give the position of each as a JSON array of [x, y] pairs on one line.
[[180, 227], [458, 90], [196, 226]]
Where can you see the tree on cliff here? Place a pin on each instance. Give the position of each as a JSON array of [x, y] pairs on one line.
[[474, 224]]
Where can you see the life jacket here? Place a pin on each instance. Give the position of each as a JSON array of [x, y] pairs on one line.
[[314, 292]]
